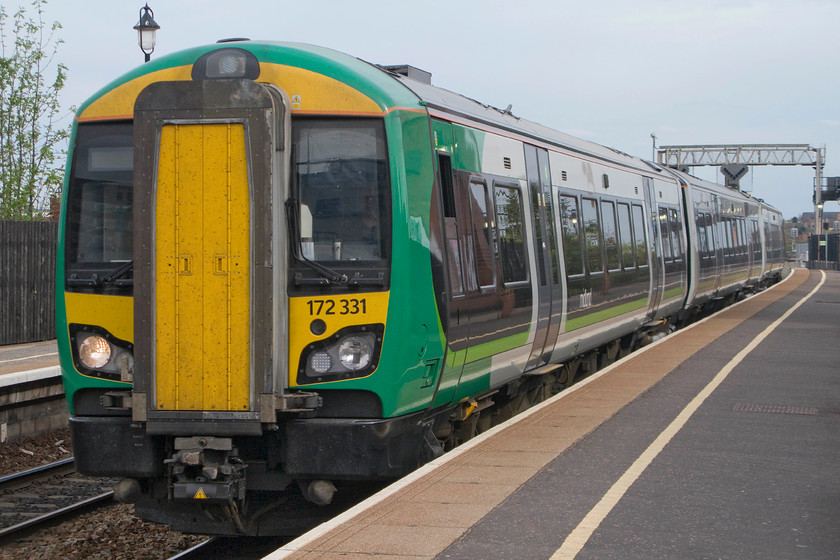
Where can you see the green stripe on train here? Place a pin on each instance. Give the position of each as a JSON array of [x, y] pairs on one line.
[[603, 315], [488, 349]]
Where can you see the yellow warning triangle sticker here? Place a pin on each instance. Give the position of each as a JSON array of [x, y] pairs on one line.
[[200, 495]]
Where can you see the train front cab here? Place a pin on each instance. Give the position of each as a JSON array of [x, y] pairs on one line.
[[256, 281]]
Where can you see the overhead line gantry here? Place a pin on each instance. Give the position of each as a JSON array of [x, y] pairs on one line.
[[734, 161]]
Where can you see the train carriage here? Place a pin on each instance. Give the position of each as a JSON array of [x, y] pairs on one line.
[[284, 268]]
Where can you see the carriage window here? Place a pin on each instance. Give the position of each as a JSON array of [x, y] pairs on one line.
[[742, 234], [341, 173], [571, 235], [610, 234], [511, 234], [482, 235], [592, 234], [665, 234], [639, 235], [702, 243], [675, 229], [725, 236], [710, 235], [626, 239], [756, 241], [450, 223]]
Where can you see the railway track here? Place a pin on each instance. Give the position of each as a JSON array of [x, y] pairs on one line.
[[226, 548], [31, 499]]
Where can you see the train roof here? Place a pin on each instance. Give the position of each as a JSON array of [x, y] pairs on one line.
[[443, 100], [384, 85], [392, 87]]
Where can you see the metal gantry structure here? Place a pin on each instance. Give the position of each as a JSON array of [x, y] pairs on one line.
[[735, 159]]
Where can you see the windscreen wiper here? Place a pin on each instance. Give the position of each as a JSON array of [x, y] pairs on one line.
[[97, 281], [329, 275], [118, 273]]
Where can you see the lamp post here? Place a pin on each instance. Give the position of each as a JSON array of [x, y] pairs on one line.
[[146, 30], [819, 232]]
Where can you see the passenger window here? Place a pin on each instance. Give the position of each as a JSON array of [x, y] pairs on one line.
[[572, 254], [702, 245], [610, 234], [727, 237], [676, 228], [742, 231], [710, 235], [509, 224], [456, 274], [756, 240], [664, 230], [482, 235], [592, 235], [639, 235], [625, 238]]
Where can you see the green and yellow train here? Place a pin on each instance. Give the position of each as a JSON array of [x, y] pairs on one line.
[[284, 268]]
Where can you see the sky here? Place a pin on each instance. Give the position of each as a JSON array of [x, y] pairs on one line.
[[611, 71]]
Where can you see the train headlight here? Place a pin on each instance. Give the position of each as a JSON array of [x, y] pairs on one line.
[[225, 64], [320, 362], [355, 352], [350, 353], [98, 353], [94, 352]]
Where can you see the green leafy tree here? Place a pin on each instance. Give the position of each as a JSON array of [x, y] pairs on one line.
[[31, 138]]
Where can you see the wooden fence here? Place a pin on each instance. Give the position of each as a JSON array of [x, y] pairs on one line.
[[27, 281]]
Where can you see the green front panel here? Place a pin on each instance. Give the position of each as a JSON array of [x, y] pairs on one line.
[[413, 342]]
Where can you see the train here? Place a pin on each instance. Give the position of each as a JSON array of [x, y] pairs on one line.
[[284, 271]]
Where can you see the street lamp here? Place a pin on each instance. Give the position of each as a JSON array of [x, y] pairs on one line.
[[146, 29]]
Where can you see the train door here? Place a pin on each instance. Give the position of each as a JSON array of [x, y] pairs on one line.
[[719, 242], [205, 330], [457, 316], [657, 271], [549, 288]]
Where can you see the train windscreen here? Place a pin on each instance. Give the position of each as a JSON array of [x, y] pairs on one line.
[[99, 228], [341, 182]]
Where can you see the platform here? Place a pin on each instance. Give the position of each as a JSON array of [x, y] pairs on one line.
[[18, 358], [719, 441], [31, 392]]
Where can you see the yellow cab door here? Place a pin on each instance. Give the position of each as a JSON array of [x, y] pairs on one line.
[[205, 287], [202, 263]]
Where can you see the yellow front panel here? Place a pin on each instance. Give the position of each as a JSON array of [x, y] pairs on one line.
[[337, 312], [202, 284], [115, 314]]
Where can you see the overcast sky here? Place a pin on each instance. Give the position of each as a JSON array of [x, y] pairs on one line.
[[611, 71]]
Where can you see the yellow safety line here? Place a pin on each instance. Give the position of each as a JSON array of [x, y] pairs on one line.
[[578, 538], [27, 358]]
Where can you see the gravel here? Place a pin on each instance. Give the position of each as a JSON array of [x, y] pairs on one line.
[[35, 451], [108, 533], [111, 533]]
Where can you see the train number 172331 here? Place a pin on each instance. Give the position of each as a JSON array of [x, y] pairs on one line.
[[351, 306]]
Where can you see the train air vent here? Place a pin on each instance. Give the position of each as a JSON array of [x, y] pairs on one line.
[[564, 175], [507, 163], [606, 181], [410, 72]]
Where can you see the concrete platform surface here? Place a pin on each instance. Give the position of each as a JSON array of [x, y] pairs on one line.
[[24, 357]]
